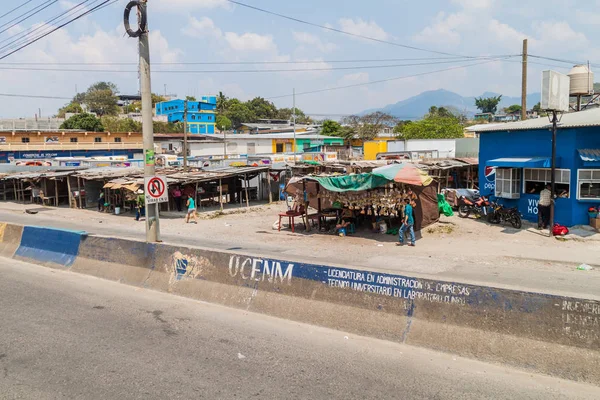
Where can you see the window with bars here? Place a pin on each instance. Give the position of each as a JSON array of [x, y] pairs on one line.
[[508, 183], [588, 184], [534, 181]]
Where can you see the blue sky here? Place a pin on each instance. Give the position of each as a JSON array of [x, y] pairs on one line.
[[217, 31]]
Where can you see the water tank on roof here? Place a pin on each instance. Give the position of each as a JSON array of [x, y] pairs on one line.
[[582, 80]]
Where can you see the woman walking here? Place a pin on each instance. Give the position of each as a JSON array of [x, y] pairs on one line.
[[191, 212]]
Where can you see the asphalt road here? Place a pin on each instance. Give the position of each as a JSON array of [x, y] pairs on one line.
[[70, 336]]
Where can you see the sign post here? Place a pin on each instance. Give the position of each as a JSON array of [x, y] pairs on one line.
[[156, 189]]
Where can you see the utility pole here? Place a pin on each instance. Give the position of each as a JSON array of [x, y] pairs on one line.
[[524, 83], [224, 145], [553, 171], [152, 218], [294, 122], [185, 133]]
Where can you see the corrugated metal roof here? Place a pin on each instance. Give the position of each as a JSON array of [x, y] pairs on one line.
[[587, 118], [589, 155]]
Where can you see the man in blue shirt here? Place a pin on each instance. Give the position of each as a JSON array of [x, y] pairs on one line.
[[408, 224]]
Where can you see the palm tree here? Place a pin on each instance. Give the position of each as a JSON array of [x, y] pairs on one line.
[[221, 103]]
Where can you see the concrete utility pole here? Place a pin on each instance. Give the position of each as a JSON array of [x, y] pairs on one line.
[[524, 83], [185, 133], [294, 119], [152, 218]]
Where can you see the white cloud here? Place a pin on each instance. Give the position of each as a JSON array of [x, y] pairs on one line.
[[201, 28], [187, 5], [445, 28], [471, 4], [250, 42], [313, 41], [508, 36], [559, 32], [352, 79], [587, 17], [363, 28]]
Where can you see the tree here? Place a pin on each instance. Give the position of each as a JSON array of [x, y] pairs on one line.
[[221, 103], [442, 112], [115, 124], [223, 123], [432, 128], [400, 125], [368, 126], [167, 127], [71, 108], [85, 122], [331, 128], [190, 98], [514, 109], [287, 114], [101, 98], [538, 108], [238, 113], [262, 109], [488, 104]]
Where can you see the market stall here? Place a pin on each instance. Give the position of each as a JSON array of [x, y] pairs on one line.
[[368, 198]]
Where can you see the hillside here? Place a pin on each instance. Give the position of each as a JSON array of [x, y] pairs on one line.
[[416, 107]]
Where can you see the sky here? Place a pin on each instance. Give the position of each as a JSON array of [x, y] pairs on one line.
[[436, 33]]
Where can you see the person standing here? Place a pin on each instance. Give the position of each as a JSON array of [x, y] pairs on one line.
[[191, 212], [408, 224], [544, 207], [140, 209], [177, 196], [101, 202]]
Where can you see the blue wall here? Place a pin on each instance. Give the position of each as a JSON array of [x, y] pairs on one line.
[[40, 155], [538, 143]]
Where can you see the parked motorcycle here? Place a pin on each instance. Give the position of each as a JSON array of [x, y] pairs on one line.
[[477, 207], [501, 214]]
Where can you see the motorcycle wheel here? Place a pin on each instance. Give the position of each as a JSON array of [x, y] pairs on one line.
[[515, 221], [493, 218], [463, 211]]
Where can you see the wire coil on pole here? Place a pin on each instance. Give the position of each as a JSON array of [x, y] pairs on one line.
[[142, 24]]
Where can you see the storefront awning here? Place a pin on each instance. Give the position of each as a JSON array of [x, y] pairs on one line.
[[590, 157], [522, 162]]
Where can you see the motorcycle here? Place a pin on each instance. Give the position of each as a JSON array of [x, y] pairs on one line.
[[501, 214], [477, 207]]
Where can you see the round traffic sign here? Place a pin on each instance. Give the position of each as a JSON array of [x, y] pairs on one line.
[[156, 187]]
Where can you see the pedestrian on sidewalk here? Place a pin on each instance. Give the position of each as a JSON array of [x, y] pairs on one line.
[[544, 207], [191, 212], [408, 224], [140, 205], [177, 196], [101, 202]]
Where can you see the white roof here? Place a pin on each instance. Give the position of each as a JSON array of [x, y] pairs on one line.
[[299, 135], [587, 118]]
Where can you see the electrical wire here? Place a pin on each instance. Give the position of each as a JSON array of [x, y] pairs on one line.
[[383, 80], [359, 67], [29, 32], [27, 96], [263, 62], [15, 9], [57, 28], [31, 13], [332, 29]]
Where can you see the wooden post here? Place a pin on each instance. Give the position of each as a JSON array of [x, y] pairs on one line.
[[22, 191], [196, 197], [15, 189], [45, 185], [79, 191], [221, 193], [246, 184], [4, 183], [70, 193], [319, 205], [269, 187], [56, 192]]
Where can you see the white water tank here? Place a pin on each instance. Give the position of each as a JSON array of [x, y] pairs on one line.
[[582, 81]]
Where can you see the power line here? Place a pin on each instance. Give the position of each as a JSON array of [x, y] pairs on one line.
[[15, 9], [384, 80], [27, 96], [218, 71], [106, 2], [329, 28], [29, 32], [32, 12], [266, 62]]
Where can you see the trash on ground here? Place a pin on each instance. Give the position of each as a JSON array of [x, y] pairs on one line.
[[585, 267], [241, 356]]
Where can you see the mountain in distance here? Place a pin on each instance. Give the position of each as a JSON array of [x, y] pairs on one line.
[[417, 106]]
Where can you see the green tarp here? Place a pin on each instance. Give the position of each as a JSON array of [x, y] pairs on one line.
[[350, 183]]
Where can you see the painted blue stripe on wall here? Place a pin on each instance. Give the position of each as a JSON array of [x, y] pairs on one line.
[[50, 245]]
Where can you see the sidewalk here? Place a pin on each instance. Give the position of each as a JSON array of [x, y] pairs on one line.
[[468, 251]]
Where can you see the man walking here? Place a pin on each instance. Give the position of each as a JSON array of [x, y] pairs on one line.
[[408, 224], [544, 207]]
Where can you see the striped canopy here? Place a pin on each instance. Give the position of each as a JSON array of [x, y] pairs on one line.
[[404, 173]]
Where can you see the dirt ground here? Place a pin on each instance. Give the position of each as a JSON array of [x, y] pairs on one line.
[[465, 250]]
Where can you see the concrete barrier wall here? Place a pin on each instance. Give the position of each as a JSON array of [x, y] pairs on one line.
[[10, 238], [49, 246], [545, 333]]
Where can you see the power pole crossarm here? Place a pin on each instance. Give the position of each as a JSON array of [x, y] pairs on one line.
[[524, 83]]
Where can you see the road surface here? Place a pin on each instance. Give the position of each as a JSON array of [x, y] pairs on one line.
[[64, 335]]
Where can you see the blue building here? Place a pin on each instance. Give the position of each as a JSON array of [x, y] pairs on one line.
[[515, 160], [201, 114]]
